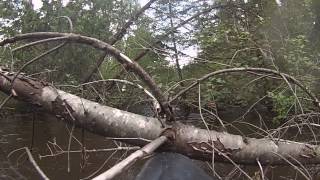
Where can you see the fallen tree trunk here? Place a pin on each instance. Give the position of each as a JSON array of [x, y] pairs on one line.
[[136, 129]]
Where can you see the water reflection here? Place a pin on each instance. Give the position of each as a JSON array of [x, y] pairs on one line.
[[16, 132]]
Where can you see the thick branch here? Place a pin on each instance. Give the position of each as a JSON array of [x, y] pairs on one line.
[[121, 58], [139, 154], [191, 141]]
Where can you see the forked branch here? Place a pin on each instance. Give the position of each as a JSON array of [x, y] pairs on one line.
[[98, 44]]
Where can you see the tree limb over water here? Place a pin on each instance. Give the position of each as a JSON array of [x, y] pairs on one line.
[[186, 139]]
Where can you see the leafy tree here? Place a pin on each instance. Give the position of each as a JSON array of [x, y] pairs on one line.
[[97, 18], [257, 33]]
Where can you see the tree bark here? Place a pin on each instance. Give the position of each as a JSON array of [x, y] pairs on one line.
[[136, 129]]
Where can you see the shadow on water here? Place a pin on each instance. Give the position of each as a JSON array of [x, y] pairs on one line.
[[16, 132]]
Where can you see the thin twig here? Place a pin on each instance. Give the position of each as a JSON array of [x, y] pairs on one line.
[[103, 164], [294, 166], [5, 101], [34, 163], [57, 153], [207, 127], [69, 21], [14, 151], [69, 145], [116, 37], [166, 34], [249, 69], [71, 135], [40, 42], [261, 169], [148, 93], [36, 59], [232, 162], [127, 25]]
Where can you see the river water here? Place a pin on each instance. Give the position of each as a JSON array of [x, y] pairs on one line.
[[44, 133]]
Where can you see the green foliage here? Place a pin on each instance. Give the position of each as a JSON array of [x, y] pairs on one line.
[[282, 104], [255, 33], [99, 19]]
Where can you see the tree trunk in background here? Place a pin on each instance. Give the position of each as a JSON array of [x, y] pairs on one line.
[[314, 35]]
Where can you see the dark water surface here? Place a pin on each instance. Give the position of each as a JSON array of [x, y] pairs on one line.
[[16, 131]]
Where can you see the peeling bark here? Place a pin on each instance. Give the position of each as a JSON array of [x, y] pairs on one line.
[[188, 140]]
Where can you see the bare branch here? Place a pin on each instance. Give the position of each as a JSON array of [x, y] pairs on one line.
[[61, 152], [172, 30], [248, 70], [116, 37], [69, 146], [148, 93], [112, 40], [38, 58], [39, 42], [5, 101], [116, 80], [34, 163], [123, 59], [69, 21], [132, 128], [139, 154]]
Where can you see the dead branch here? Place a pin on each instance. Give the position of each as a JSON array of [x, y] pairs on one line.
[[61, 152], [34, 163], [123, 59], [46, 40], [127, 162], [170, 31], [249, 70], [116, 37], [113, 39], [5, 101], [38, 58], [132, 128]]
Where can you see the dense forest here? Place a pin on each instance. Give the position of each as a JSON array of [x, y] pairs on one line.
[[247, 67]]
